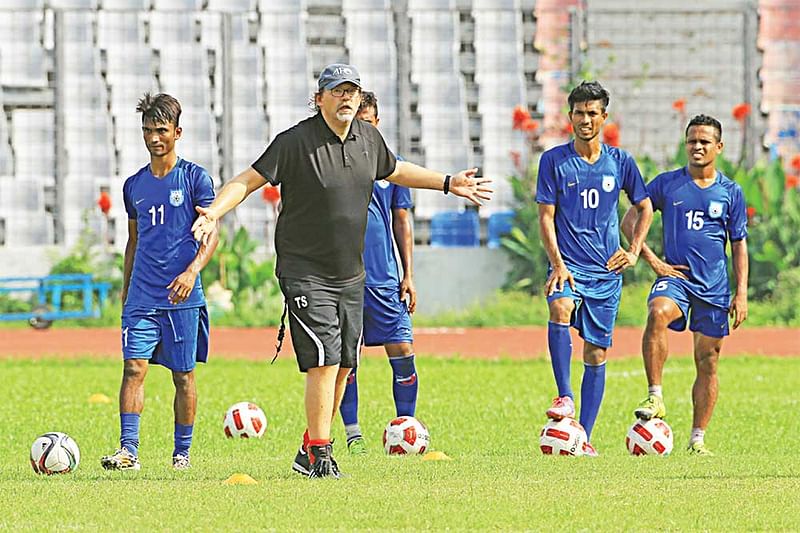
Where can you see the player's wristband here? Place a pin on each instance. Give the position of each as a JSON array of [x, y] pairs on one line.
[[446, 187]]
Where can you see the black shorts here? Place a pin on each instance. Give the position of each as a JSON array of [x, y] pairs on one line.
[[325, 321]]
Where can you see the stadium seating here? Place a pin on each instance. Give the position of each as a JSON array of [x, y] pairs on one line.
[[779, 39], [469, 63], [455, 228], [646, 71], [498, 225]]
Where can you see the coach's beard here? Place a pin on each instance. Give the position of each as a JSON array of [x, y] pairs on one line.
[[345, 115]]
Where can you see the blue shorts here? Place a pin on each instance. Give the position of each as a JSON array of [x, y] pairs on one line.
[[174, 338], [596, 305], [706, 318], [386, 317]]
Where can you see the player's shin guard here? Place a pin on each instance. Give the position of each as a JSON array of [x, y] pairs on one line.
[[183, 439], [592, 389], [129, 432], [404, 385], [559, 343]]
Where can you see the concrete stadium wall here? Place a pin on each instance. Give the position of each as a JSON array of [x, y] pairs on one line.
[[446, 278], [453, 278], [19, 261]]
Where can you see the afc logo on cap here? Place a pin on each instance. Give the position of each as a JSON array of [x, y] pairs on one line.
[[342, 71]]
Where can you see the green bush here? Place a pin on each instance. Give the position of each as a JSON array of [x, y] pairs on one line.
[[256, 295]]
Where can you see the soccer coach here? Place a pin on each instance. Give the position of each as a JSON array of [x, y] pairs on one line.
[[326, 165]]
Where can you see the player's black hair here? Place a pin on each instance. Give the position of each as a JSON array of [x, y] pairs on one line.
[[161, 108], [368, 100], [312, 101], [586, 92], [706, 120]]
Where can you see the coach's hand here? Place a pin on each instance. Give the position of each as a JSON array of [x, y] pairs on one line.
[[555, 283], [466, 185], [204, 225], [407, 290], [621, 260], [738, 309], [665, 270], [181, 287]]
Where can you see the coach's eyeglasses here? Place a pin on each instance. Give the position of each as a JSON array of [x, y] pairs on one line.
[[338, 92]]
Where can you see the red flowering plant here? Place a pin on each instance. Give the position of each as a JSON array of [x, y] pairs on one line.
[[270, 194], [104, 203], [773, 213], [795, 163], [528, 258], [611, 134]]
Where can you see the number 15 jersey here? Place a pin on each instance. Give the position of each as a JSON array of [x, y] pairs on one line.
[[164, 211], [586, 196], [697, 225]]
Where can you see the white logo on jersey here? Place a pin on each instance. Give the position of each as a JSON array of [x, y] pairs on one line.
[[176, 198], [383, 184], [140, 200], [574, 183], [715, 209], [608, 183], [677, 203]]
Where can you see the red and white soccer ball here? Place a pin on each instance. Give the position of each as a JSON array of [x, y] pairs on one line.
[[245, 420], [649, 437], [405, 435], [562, 437], [54, 453]]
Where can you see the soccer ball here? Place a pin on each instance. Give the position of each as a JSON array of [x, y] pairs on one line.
[[405, 435], [54, 453], [649, 437], [245, 420], [562, 437]]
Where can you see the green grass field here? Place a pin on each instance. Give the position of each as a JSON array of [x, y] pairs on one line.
[[485, 414]]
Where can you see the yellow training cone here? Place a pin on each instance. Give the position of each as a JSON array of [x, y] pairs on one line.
[[436, 456], [99, 397], [240, 479]]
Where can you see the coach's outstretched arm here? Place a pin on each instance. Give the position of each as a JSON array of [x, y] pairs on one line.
[[463, 184], [231, 195]]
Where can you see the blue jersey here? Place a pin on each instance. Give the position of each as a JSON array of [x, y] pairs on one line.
[[586, 197], [380, 262], [164, 211], [697, 225]]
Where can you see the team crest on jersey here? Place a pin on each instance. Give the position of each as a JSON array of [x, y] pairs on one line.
[[176, 197], [608, 183], [383, 184], [715, 209]]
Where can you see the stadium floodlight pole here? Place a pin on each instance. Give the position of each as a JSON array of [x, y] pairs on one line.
[[226, 140], [59, 69]]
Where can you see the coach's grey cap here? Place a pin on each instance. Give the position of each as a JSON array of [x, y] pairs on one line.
[[336, 74]]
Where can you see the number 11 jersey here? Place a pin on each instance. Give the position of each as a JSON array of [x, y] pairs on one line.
[[164, 211]]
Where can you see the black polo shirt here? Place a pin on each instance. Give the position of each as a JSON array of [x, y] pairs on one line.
[[326, 186]]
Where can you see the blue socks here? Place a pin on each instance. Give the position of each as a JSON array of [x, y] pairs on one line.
[[592, 388], [404, 390], [183, 440], [129, 432], [349, 406], [404, 385], [559, 343], [129, 435]]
